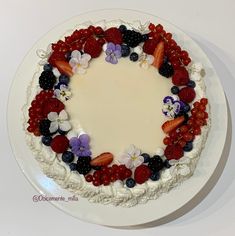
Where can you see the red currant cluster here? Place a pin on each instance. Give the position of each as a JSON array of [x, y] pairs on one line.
[[35, 111], [186, 133], [106, 175], [76, 41], [177, 57]]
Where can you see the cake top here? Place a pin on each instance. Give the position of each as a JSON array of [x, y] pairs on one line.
[[94, 77]]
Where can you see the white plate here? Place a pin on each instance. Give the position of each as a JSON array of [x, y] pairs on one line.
[[156, 210]]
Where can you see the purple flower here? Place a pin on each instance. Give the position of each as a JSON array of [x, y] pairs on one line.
[[80, 145], [113, 52], [171, 106]]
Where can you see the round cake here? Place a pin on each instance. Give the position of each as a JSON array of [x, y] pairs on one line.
[[117, 112]]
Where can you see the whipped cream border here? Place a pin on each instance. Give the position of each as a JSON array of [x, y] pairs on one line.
[[116, 193]]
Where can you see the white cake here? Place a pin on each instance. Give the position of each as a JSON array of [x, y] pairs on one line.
[[119, 106]]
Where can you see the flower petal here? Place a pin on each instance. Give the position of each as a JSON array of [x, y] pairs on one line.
[[84, 139], [65, 125], [131, 150], [81, 70], [137, 162], [53, 126], [52, 116], [76, 54], [118, 53], [86, 57], [73, 62], [150, 59], [111, 46], [63, 115]]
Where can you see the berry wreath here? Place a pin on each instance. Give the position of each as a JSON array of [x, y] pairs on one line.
[[155, 47]]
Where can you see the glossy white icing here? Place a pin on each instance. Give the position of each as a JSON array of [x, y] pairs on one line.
[[116, 193]]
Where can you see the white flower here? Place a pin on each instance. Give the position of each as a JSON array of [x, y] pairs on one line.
[[131, 157], [146, 60], [196, 71], [59, 121], [63, 94], [141, 28], [79, 62]]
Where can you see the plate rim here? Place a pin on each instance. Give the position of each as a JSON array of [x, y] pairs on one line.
[[57, 26]]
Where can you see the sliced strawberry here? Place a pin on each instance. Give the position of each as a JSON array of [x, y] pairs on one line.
[[170, 125], [158, 55], [56, 56], [174, 151], [113, 35], [64, 68], [103, 159]]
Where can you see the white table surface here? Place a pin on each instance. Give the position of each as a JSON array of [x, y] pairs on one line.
[[210, 22]]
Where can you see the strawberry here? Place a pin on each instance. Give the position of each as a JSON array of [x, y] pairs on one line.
[[52, 105], [174, 151], [59, 144], [103, 159], [187, 94], [180, 77], [158, 55], [64, 68], [92, 47], [113, 35], [149, 46], [56, 56], [171, 125], [142, 174]]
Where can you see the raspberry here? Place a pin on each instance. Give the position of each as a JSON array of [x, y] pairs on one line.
[[52, 105], [149, 46], [92, 47], [174, 151], [180, 77], [187, 94], [59, 144], [113, 35], [142, 174]]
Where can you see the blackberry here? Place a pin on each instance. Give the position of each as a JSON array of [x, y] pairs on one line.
[[44, 127], [83, 165], [47, 80], [73, 166], [155, 163], [132, 38], [166, 70]]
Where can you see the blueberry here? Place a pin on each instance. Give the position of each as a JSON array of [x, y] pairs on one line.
[[191, 84], [67, 157], [122, 28], [57, 86], [167, 164], [175, 90], [47, 67], [46, 140], [186, 108], [134, 56], [73, 166], [64, 79], [125, 50], [188, 147], [146, 157], [62, 132], [145, 37], [155, 176], [130, 182]]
